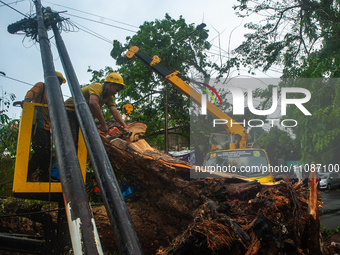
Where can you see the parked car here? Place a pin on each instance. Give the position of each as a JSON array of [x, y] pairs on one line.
[[329, 180]]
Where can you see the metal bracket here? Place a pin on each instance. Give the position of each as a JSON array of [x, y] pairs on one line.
[[155, 60], [132, 51]]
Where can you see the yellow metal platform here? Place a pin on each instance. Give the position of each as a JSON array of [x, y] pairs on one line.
[[36, 190]]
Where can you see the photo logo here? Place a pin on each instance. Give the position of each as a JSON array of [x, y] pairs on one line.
[[204, 99], [238, 100]]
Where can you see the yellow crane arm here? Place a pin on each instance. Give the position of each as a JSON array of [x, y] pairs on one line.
[[232, 127]]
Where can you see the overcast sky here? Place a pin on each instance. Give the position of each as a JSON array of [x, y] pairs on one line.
[[21, 59]]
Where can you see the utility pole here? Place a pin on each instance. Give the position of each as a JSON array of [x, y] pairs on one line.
[[83, 231], [84, 236], [118, 214], [166, 141]]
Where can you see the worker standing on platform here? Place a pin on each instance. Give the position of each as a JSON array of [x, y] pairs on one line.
[[96, 95], [41, 141]]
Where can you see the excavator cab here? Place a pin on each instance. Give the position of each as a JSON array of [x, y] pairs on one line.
[[37, 190]]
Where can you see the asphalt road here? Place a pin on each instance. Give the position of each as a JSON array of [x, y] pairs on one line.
[[330, 209]]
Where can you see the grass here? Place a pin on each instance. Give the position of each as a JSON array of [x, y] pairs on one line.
[[327, 232]]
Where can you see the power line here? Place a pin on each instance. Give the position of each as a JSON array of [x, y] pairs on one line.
[[93, 14], [91, 32], [12, 3], [101, 23], [17, 80], [99, 37], [30, 84], [13, 8]]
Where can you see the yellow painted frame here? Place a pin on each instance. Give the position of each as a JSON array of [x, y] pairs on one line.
[[20, 184]]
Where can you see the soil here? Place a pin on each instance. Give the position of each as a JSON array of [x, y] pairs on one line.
[[153, 230], [333, 242], [151, 224]]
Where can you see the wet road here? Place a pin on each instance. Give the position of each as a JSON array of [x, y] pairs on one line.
[[331, 209]]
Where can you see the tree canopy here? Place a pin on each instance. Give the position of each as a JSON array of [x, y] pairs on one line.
[[8, 128], [283, 145], [302, 38], [289, 34], [182, 48]]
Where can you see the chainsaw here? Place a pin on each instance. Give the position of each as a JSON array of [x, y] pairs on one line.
[[136, 130]]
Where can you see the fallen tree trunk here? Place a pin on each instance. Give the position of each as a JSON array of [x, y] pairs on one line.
[[178, 215]]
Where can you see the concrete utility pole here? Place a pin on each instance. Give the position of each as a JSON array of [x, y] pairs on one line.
[[84, 236], [166, 138], [121, 222]]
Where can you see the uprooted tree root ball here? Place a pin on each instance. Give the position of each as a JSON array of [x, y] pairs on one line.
[[174, 214], [212, 216]]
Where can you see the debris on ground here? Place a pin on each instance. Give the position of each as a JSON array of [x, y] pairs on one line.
[[174, 214], [215, 216]]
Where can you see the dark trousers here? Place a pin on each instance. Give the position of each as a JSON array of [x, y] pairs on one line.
[[72, 118], [41, 145]]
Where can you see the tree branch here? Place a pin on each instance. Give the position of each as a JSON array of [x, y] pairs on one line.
[[281, 16], [300, 32], [153, 92]]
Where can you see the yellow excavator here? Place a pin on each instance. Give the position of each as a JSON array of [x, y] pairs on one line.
[[239, 159]]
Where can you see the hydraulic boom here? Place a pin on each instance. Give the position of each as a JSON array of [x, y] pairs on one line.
[[171, 77]]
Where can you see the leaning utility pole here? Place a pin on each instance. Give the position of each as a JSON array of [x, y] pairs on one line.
[[84, 236], [121, 222], [83, 231]]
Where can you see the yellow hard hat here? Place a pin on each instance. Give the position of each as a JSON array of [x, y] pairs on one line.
[[115, 78], [61, 76]]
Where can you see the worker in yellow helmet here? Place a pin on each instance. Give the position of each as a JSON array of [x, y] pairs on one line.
[[96, 95], [41, 142]]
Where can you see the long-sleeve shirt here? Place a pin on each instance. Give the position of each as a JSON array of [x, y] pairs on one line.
[[37, 94]]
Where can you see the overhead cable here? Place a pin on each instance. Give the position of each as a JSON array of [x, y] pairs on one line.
[[100, 22], [17, 80], [14, 9], [12, 3], [91, 32], [5, 76], [93, 14]]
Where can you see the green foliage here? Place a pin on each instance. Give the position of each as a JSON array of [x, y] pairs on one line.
[[327, 232], [318, 133], [148, 90], [10, 205], [8, 128], [288, 31], [5, 102], [8, 139], [254, 134], [280, 141], [180, 48], [200, 135], [98, 76], [302, 37]]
